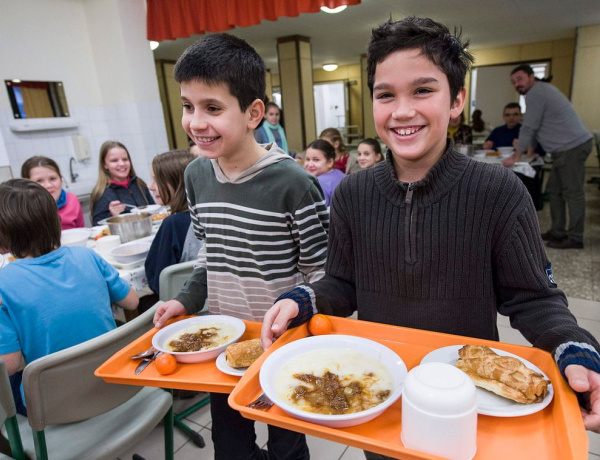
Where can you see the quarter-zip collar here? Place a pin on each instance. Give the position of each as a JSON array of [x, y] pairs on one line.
[[444, 175]]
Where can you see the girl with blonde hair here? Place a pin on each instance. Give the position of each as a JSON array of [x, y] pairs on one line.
[[117, 184]]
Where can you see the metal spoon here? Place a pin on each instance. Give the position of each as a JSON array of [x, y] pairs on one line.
[[144, 354]]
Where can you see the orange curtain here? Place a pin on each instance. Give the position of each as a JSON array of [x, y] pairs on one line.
[[171, 19]]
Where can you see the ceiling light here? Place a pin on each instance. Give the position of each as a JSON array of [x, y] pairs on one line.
[[339, 9], [330, 67], [153, 45]]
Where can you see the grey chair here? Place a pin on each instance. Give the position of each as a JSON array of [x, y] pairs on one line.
[[8, 417], [170, 281], [72, 414]]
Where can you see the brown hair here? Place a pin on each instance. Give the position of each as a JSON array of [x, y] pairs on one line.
[[323, 146], [37, 161], [335, 135], [104, 178], [168, 168], [29, 221]]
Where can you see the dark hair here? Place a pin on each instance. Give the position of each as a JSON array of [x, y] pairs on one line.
[[373, 143], [323, 146], [522, 68], [29, 222], [271, 104], [37, 161], [444, 49], [512, 105], [478, 123], [168, 168], [335, 135], [223, 58]]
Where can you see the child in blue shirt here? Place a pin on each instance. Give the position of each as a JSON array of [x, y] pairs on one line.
[[53, 297]]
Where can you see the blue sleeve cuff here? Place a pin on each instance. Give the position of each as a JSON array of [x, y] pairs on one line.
[[305, 298], [577, 353]]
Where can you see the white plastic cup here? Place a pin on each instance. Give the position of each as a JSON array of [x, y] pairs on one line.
[[107, 243], [439, 411]]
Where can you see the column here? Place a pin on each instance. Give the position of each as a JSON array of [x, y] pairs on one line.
[[296, 83], [367, 102]]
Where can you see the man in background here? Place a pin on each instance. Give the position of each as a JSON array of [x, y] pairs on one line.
[[505, 135], [551, 120]]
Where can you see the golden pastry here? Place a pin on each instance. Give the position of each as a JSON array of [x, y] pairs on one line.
[[504, 375], [242, 354]]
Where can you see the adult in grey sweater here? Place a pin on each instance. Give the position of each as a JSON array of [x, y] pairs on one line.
[[551, 120]]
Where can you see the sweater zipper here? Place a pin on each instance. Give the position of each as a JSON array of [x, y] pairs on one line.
[[410, 239]]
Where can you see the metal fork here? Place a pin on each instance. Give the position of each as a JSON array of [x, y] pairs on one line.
[[261, 403]]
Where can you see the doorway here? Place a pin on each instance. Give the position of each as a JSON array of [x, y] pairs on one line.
[[331, 105]]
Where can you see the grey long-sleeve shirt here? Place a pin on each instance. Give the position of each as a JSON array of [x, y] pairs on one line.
[[551, 120]]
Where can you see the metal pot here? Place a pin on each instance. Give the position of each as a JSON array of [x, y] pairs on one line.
[[129, 226]]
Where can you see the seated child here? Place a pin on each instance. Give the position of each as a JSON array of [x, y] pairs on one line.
[[53, 297], [318, 161], [369, 153], [460, 241], [117, 184], [345, 161], [271, 130], [175, 241], [46, 172]]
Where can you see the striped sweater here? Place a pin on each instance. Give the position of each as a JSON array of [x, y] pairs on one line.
[[265, 232], [446, 254]]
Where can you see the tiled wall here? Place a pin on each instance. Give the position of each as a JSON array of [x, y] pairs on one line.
[[139, 126]]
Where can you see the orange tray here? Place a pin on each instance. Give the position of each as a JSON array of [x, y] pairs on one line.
[[197, 376], [557, 432]]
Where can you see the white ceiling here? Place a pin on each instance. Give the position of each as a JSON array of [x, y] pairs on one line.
[[343, 37]]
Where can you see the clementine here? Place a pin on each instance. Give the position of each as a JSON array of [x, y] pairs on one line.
[[319, 325], [165, 363]]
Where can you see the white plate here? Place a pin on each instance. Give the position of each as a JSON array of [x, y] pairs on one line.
[[489, 403], [149, 208], [227, 369]]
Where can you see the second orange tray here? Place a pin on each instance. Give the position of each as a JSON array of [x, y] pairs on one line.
[[197, 376], [557, 432]]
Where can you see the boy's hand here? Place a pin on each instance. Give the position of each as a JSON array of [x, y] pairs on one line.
[[583, 380], [168, 310], [276, 321]]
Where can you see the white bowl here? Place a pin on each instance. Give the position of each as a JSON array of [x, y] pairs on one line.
[[325, 346], [130, 252], [506, 151], [482, 152], [160, 339], [74, 237], [150, 208]]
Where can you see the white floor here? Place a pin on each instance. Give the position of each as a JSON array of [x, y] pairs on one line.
[[152, 448]]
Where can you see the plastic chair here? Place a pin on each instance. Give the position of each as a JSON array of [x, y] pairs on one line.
[[170, 281], [8, 417], [73, 414]]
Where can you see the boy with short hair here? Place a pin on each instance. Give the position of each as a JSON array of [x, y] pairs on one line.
[[460, 239], [262, 217]]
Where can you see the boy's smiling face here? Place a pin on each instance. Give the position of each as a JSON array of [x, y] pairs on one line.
[[214, 121], [412, 108]]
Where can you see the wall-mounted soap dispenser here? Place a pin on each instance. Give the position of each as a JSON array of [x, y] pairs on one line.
[[81, 147]]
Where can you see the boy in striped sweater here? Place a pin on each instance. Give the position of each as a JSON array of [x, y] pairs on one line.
[[262, 217], [431, 239]]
